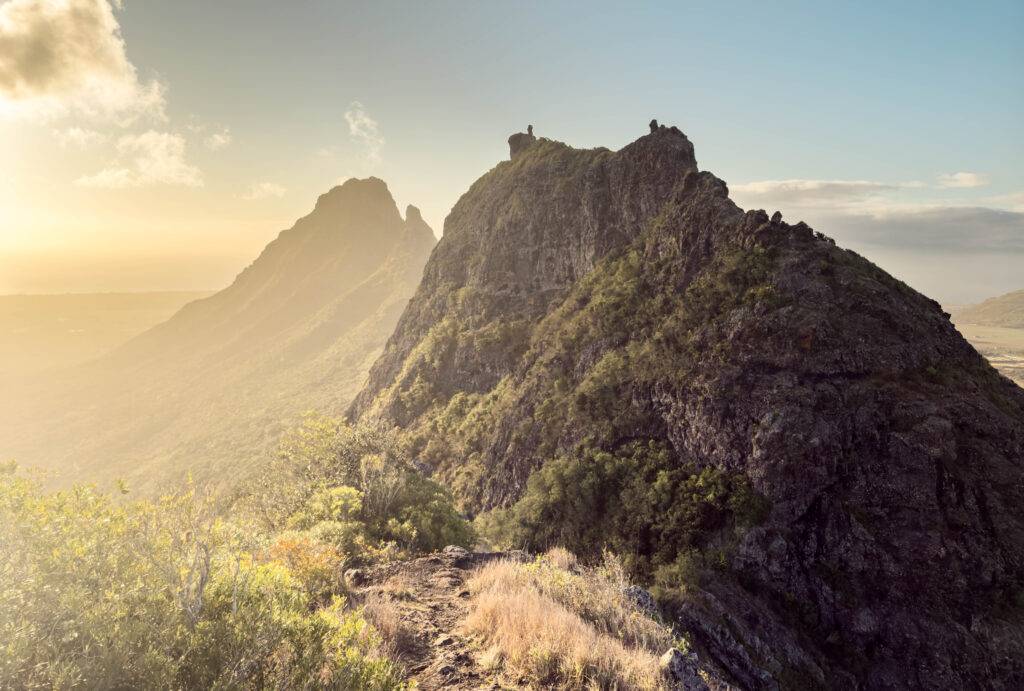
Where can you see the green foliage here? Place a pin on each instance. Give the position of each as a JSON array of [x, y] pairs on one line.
[[165, 594], [640, 502], [357, 488], [344, 504], [100, 592]]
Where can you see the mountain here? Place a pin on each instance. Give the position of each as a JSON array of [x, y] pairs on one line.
[[1004, 311], [209, 390], [798, 452], [996, 328]]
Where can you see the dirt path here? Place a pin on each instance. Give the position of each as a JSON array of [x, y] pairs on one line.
[[431, 600]]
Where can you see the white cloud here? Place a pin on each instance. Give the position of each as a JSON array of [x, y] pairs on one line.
[[1013, 201], [150, 158], [963, 180], [365, 130], [68, 56], [218, 140], [263, 190], [78, 137], [817, 191]]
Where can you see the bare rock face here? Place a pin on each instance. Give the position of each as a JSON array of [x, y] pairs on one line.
[[681, 671], [599, 298]]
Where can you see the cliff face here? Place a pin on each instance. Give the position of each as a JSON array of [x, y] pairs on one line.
[[598, 300], [513, 246], [210, 390]]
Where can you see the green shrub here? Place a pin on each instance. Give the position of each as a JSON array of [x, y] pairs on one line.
[[329, 471], [640, 501], [164, 595]]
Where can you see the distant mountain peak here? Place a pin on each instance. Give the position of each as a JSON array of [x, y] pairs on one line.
[[369, 192]]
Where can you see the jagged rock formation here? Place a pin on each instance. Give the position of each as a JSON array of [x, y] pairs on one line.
[[519, 141], [211, 389], [601, 300]]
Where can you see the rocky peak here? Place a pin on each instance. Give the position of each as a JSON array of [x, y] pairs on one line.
[[418, 235], [519, 142], [371, 191], [619, 300], [413, 215]]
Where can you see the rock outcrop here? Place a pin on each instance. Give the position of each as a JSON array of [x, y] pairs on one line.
[[600, 299], [519, 142]]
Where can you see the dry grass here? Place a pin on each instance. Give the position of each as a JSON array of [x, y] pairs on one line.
[[570, 628], [561, 558], [399, 587], [397, 633]]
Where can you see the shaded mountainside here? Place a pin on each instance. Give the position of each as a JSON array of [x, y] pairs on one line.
[[1004, 311], [814, 469], [212, 388]]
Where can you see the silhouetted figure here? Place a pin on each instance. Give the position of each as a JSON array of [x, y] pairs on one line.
[[654, 126], [529, 130]]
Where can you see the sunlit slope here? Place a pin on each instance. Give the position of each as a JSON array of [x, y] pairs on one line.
[[209, 390], [1006, 311]]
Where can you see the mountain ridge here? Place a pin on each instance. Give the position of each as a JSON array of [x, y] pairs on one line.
[[211, 388], [601, 336]]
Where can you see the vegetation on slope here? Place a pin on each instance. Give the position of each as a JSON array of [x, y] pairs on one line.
[[101, 591], [563, 625]]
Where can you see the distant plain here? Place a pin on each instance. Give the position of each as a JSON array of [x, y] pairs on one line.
[[44, 332]]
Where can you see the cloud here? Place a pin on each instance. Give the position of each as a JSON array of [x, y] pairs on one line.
[[365, 130], [813, 191], [150, 158], [68, 56], [970, 230], [963, 180], [1014, 200], [218, 140], [78, 138], [263, 190]]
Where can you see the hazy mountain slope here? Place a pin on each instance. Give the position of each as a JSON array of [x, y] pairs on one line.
[[1004, 311], [211, 389], [797, 448], [41, 332], [996, 328]]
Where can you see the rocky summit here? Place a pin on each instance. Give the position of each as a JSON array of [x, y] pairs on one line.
[[816, 474]]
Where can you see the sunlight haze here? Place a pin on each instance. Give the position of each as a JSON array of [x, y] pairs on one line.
[[196, 131]]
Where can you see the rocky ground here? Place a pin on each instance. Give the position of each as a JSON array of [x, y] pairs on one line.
[[432, 600]]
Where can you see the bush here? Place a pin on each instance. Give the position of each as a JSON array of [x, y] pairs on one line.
[[640, 501], [166, 594], [361, 478]]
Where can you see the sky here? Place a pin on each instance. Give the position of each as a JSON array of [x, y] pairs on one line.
[[154, 145]]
